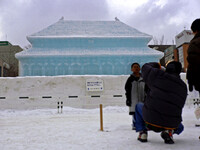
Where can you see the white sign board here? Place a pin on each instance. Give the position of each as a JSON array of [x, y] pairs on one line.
[[94, 85], [184, 37]]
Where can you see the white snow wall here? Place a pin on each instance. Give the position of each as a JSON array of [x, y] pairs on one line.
[[45, 92]]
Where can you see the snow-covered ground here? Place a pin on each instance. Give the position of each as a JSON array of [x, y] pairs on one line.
[[79, 129]]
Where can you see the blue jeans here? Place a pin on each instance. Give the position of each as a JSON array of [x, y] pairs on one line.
[[140, 124]]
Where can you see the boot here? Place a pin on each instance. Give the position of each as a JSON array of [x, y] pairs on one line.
[[167, 136], [143, 136]]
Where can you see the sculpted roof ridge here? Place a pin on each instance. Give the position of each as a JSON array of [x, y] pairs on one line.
[[72, 28]]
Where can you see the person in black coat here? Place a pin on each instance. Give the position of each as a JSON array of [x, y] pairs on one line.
[[193, 58], [162, 109]]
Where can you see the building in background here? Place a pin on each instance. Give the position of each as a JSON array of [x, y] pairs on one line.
[[182, 42], [162, 49], [169, 54], [8, 63], [85, 47], [176, 52]]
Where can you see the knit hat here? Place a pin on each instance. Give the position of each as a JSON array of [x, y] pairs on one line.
[[196, 25], [174, 67]]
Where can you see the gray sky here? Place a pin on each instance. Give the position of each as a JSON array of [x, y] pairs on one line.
[[19, 18]]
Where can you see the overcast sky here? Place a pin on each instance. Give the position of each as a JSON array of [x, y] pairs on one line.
[[20, 18]]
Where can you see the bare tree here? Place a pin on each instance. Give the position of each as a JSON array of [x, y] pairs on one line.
[[155, 41], [162, 40]]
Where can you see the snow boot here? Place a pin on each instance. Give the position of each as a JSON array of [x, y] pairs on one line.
[[142, 136], [167, 136]]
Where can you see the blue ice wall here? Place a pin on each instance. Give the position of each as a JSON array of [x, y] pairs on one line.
[[85, 48], [50, 57], [81, 65]]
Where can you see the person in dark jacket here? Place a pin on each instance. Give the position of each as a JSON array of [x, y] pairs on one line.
[[134, 88], [193, 58], [162, 109]]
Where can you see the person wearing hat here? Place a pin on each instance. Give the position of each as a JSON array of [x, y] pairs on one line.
[[193, 58], [166, 96]]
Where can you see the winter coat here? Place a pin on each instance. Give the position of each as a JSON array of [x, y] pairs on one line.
[[193, 58], [134, 92], [165, 98]]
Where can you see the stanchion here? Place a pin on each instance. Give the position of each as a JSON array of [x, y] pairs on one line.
[[60, 107], [101, 118]]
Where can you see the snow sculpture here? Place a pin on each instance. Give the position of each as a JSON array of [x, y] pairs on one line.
[[85, 47]]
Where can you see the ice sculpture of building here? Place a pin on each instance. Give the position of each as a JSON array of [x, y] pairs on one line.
[[85, 47]]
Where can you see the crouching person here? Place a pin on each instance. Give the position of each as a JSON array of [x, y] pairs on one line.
[[162, 109]]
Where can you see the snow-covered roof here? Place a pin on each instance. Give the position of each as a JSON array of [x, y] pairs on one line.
[[66, 28], [88, 52]]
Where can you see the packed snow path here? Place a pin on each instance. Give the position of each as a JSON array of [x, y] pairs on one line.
[[78, 129]]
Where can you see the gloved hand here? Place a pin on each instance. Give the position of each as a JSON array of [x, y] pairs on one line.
[[128, 103]]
